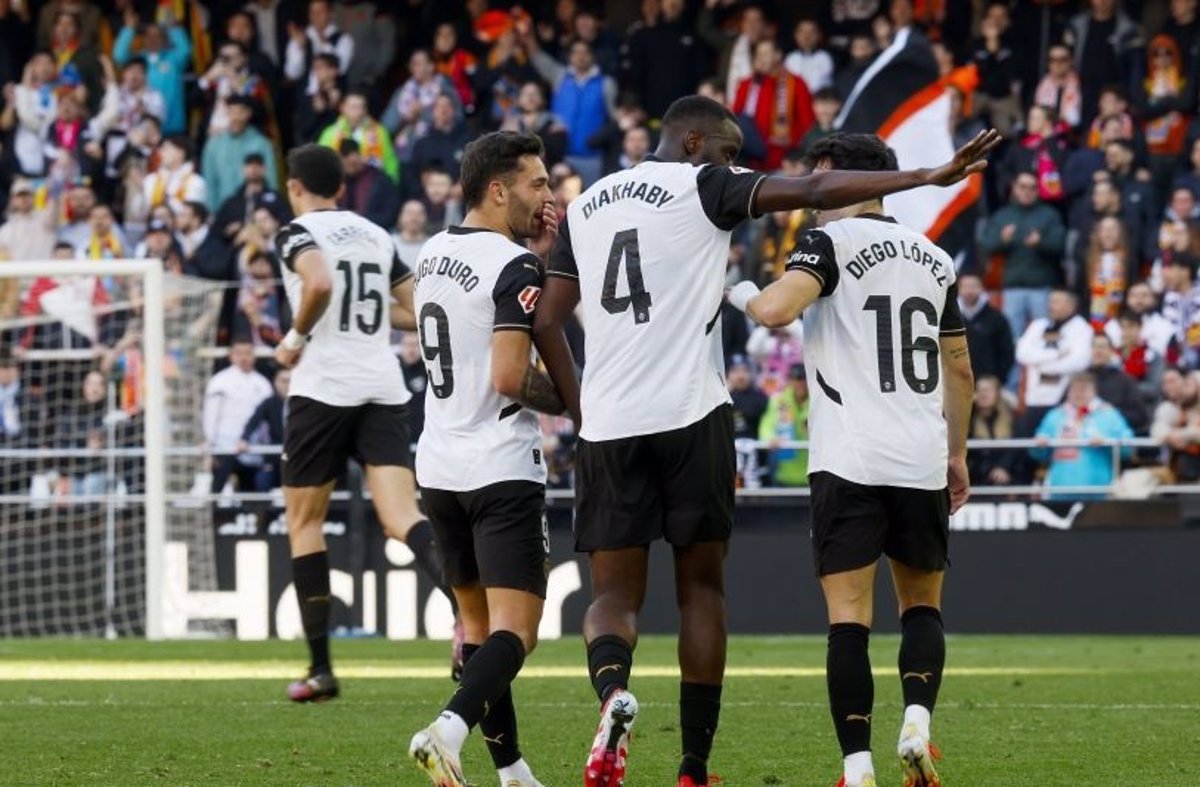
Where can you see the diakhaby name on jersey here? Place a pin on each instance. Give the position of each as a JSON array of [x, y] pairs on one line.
[[655, 196], [872, 255], [455, 270]]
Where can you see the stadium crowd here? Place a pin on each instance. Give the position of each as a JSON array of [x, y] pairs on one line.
[[156, 129]]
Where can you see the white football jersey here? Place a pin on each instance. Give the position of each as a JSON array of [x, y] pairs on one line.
[[470, 283], [649, 246], [871, 351], [348, 360]]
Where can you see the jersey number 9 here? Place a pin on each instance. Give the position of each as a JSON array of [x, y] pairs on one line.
[[437, 351]]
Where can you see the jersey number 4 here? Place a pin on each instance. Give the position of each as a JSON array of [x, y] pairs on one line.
[[365, 293], [625, 247], [909, 345]]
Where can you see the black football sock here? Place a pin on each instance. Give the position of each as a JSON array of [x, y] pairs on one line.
[[310, 574], [486, 679], [699, 711], [429, 560], [499, 724], [851, 687], [922, 656], [609, 661]]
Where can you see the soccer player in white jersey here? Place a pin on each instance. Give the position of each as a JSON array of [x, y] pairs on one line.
[[644, 253], [347, 395], [886, 352], [479, 461]]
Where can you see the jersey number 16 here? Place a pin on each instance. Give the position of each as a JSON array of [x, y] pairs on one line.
[[909, 345]]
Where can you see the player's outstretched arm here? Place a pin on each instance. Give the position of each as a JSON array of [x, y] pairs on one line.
[[515, 377], [402, 314], [559, 297], [838, 188], [959, 386], [315, 294], [781, 302]]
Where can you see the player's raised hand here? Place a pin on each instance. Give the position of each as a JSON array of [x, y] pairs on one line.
[[959, 483], [545, 226], [969, 159]]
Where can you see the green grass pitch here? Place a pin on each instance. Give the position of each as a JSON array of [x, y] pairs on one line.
[[1096, 711]]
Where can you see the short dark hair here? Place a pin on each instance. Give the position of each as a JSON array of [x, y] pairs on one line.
[[348, 147], [183, 142], [137, 61], [827, 94], [198, 208], [495, 155], [7, 360], [63, 245], [690, 111], [328, 59], [853, 151], [1118, 91], [1129, 315], [317, 168]]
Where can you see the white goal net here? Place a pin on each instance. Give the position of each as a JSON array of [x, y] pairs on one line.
[[102, 375]]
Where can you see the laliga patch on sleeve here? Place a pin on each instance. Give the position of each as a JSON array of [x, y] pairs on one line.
[[529, 298]]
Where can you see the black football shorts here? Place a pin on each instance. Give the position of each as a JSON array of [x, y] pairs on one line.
[[853, 525], [319, 439], [495, 535], [677, 485]]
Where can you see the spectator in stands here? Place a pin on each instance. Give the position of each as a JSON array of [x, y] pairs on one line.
[[261, 302], [1083, 416], [317, 110], [409, 112], [443, 144], [1105, 42], [410, 233], [82, 425], [1115, 386], [1137, 196], [1183, 27], [29, 232], [635, 148], [1029, 237], [157, 241], [168, 55], [610, 139], [373, 27], [228, 78], [506, 68], [205, 253], [734, 47], [1165, 96], [779, 103], [176, 181], [1042, 152], [254, 192], [35, 102], [1191, 178], [808, 60], [416, 379], [106, 241], [1050, 351], [1154, 329], [1177, 423], [1181, 305], [529, 116], [753, 146], [66, 141], [584, 98], [230, 399], [136, 98], [322, 36], [1110, 266], [606, 48], [666, 60], [774, 352], [78, 61], [441, 205], [367, 192], [989, 337], [826, 105], [265, 427], [73, 227], [456, 64], [992, 418], [998, 97], [1060, 88], [90, 17], [225, 153], [270, 25], [1143, 365], [1103, 202], [1114, 106], [241, 27], [786, 420], [373, 139], [862, 53], [749, 402]]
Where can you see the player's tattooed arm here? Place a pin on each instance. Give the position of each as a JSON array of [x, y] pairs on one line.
[[828, 189], [560, 295], [538, 393], [959, 385]]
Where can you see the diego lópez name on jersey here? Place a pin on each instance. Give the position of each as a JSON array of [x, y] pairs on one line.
[[471, 283]]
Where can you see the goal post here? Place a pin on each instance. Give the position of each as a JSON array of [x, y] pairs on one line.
[[95, 485]]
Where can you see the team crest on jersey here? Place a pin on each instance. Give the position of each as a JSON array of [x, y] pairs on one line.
[[740, 170], [529, 298]]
